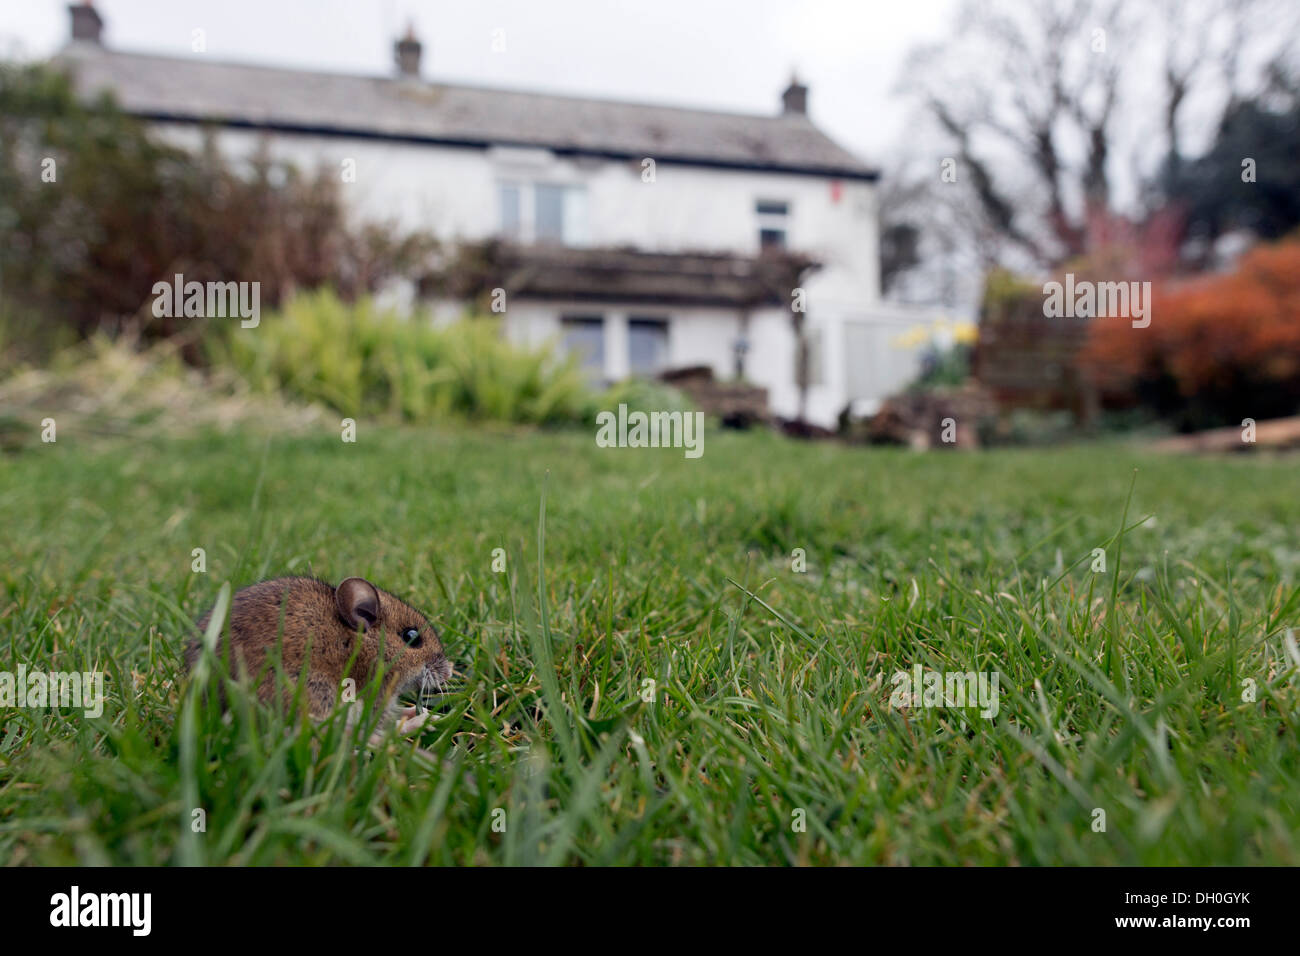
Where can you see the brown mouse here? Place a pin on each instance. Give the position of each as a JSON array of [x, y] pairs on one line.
[[354, 618]]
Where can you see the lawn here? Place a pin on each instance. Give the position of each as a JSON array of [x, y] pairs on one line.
[[1147, 713]]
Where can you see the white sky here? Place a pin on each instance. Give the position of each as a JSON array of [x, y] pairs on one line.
[[728, 54]]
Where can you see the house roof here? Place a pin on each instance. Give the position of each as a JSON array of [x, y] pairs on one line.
[[183, 89]]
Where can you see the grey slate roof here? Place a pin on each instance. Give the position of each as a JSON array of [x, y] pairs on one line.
[[184, 89]]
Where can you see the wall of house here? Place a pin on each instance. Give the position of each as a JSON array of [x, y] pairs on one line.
[[454, 193], [696, 336], [703, 336]]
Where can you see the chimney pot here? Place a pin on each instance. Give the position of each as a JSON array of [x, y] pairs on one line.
[[87, 24], [795, 98], [406, 52]]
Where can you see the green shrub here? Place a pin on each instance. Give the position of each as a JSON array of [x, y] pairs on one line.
[[360, 359], [81, 254], [939, 368], [639, 394]]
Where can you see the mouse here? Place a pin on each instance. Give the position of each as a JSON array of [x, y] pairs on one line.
[[354, 618]]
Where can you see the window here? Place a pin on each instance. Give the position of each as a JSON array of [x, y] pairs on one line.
[[543, 212], [584, 336], [773, 223], [647, 345], [550, 213], [511, 211]]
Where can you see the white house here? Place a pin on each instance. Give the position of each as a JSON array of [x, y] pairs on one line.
[[643, 236]]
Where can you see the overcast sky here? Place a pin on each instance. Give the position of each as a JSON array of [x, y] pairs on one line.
[[729, 54]]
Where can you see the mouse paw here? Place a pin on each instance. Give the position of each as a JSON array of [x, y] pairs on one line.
[[412, 719]]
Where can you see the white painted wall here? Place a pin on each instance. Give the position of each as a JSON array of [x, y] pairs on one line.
[[705, 336], [453, 193], [696, 336]]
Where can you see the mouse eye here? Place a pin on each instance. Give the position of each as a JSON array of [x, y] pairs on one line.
[[412, 637]]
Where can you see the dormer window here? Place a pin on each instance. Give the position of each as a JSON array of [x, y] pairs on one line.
[[773, 223]]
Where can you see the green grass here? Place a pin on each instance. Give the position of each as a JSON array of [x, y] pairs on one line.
[[1120, 691]]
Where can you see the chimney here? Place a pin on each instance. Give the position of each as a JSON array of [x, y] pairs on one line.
[[795, 97], [406, 52], [87, 24]]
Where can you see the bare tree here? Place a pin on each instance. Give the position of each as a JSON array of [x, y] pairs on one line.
[[1044, 103]]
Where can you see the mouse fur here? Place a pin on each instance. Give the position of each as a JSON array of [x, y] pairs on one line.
[[295, 612]]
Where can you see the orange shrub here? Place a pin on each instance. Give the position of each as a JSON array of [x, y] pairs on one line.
[[1219, 347]]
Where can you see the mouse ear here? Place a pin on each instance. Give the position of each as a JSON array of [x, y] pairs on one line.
[[358, 603]]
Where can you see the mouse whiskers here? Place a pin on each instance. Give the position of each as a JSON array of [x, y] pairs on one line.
[[431, 686]]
